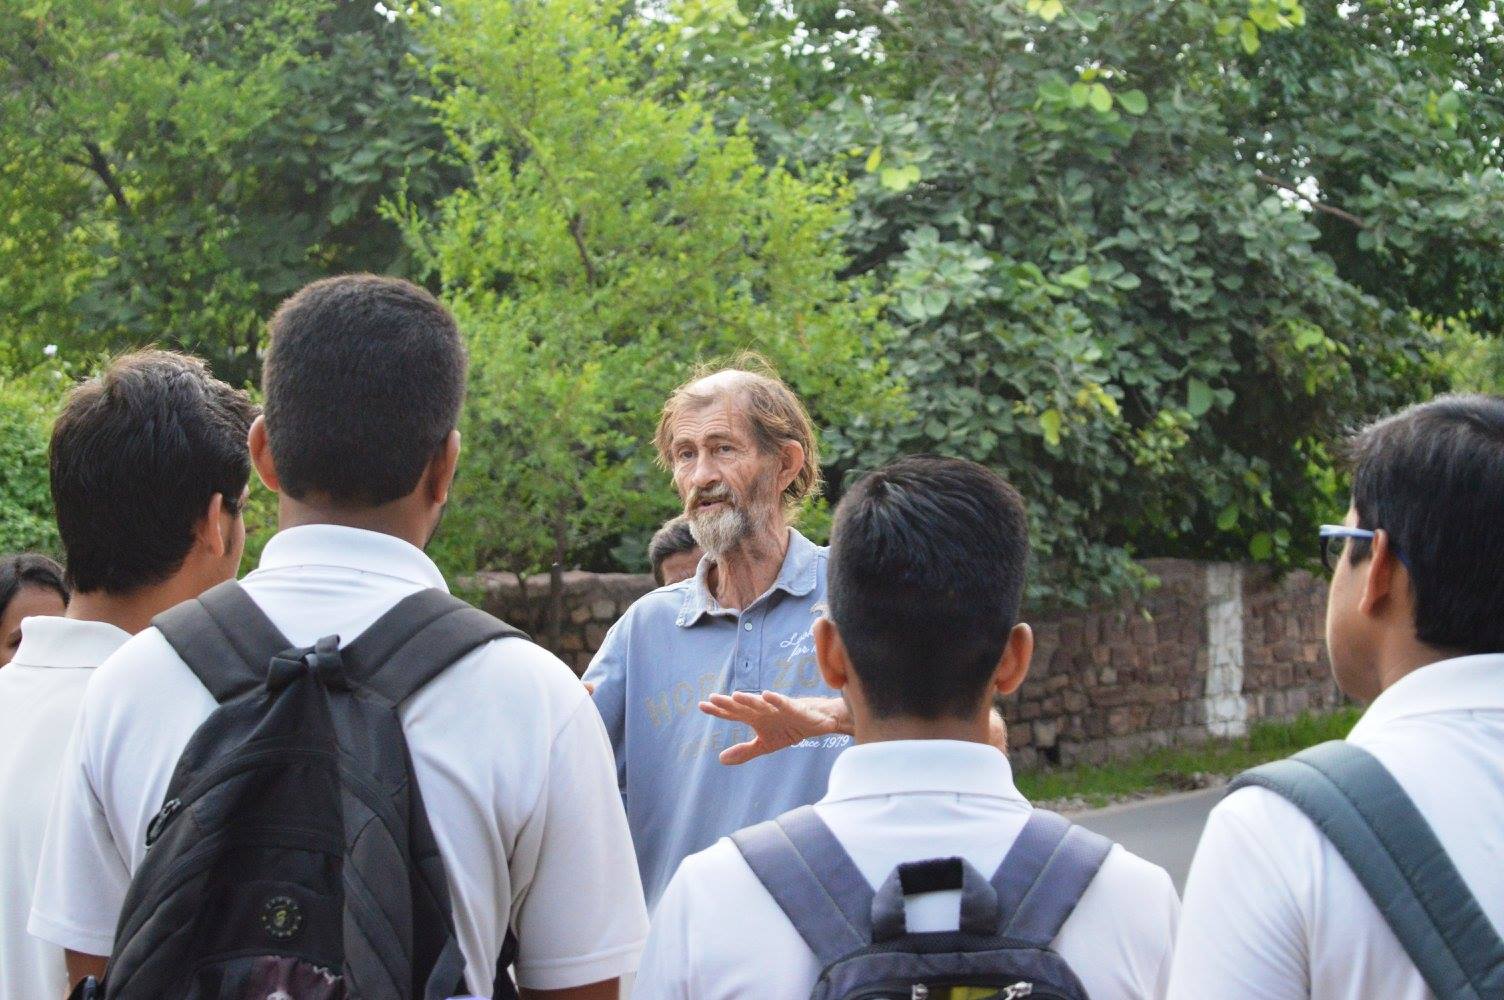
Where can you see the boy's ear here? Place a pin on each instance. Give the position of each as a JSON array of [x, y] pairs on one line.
[[1378, 581], [1013, 665], [208, 531], [830, 653], [439, 478], [261, 454]]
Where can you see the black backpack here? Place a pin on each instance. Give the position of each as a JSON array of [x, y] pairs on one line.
[[861, 939], [292, 858]]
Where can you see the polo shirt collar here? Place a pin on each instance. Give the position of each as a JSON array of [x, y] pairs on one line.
[[51, 641], [339, 547], [1467, 683], [922, 767], [797, 577]]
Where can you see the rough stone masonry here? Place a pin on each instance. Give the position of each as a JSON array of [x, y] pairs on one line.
[[1212, 649]]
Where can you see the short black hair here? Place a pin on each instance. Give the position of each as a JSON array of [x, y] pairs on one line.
[[136, 455], [29, 569], [1432, 477], [927, 564], [364, 378], [670, 540]]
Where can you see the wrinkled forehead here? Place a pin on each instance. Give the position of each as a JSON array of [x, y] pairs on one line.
[[715, 411]]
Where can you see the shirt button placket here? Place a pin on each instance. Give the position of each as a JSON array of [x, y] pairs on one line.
[[746, 646]]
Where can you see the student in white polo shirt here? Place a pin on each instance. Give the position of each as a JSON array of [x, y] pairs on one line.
[[926, 573], [149, 470], [1415, 626], [364, 379]]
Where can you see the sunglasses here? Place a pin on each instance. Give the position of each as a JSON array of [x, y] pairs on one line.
[[1334, 539]]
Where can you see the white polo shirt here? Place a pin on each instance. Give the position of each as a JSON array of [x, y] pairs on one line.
[[718, 934], [40, 692], [511, 756], [1273, 911]]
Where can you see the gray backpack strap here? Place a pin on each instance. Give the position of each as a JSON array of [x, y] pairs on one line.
[[1365, 814], [418, 639], [224, 637], [1041, 879], [812, 879]]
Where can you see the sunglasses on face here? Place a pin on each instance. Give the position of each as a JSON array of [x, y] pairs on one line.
[[1334, 539]]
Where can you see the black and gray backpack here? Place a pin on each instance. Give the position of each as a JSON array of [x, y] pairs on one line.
[[292, 858], [1001, 950]]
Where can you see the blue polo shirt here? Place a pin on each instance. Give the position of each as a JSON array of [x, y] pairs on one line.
[[672, 649]]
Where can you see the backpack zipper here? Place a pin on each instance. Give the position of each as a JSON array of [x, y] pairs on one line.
[[922, 991], [208, 779], [1015, 992]]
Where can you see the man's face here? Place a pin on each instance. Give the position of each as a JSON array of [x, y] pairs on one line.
[[1350, 634], [679, 566], [730, 488]]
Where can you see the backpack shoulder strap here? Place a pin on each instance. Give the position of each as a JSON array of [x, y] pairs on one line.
[[1365, 814], [224, 637], [812, 879], [1041, 879], [418, 639]]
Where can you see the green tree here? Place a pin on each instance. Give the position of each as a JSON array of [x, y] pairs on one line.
[[172, 170], [1390, 116], [1082, 216], [27, 406], [607, 238]]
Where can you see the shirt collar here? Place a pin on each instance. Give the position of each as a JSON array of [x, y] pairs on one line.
[[337, 546], [796, 577], [909, 767], [1467, 683], [49, 641]]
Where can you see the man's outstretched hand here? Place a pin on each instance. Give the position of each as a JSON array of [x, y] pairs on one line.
[[776, 721], [779, 722]]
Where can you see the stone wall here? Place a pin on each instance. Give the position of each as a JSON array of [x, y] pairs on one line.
[[592, 603], [1214, 648]]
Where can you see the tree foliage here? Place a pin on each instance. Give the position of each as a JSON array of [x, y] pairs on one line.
[[27, 406], [1147, 257], [607, 238], [1395, 110], [1080, 213], [172, 170]]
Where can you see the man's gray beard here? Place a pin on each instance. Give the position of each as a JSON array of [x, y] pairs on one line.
[[720, 532]]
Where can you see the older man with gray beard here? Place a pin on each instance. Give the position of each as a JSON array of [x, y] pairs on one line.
[[743, 457]]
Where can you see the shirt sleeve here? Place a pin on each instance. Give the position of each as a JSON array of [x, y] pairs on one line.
[[1160, 987], [665, 971], [582, 919], [82, 878], [1242, 933], [608, 672]]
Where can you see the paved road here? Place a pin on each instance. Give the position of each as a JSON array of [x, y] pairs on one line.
[[1162, 830]]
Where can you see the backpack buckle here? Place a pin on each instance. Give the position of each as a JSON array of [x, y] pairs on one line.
[[322, 661]]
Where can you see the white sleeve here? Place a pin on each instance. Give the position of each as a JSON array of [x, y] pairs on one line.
[[582, 919], [1242, 933], [82, 879], [666, 962]]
